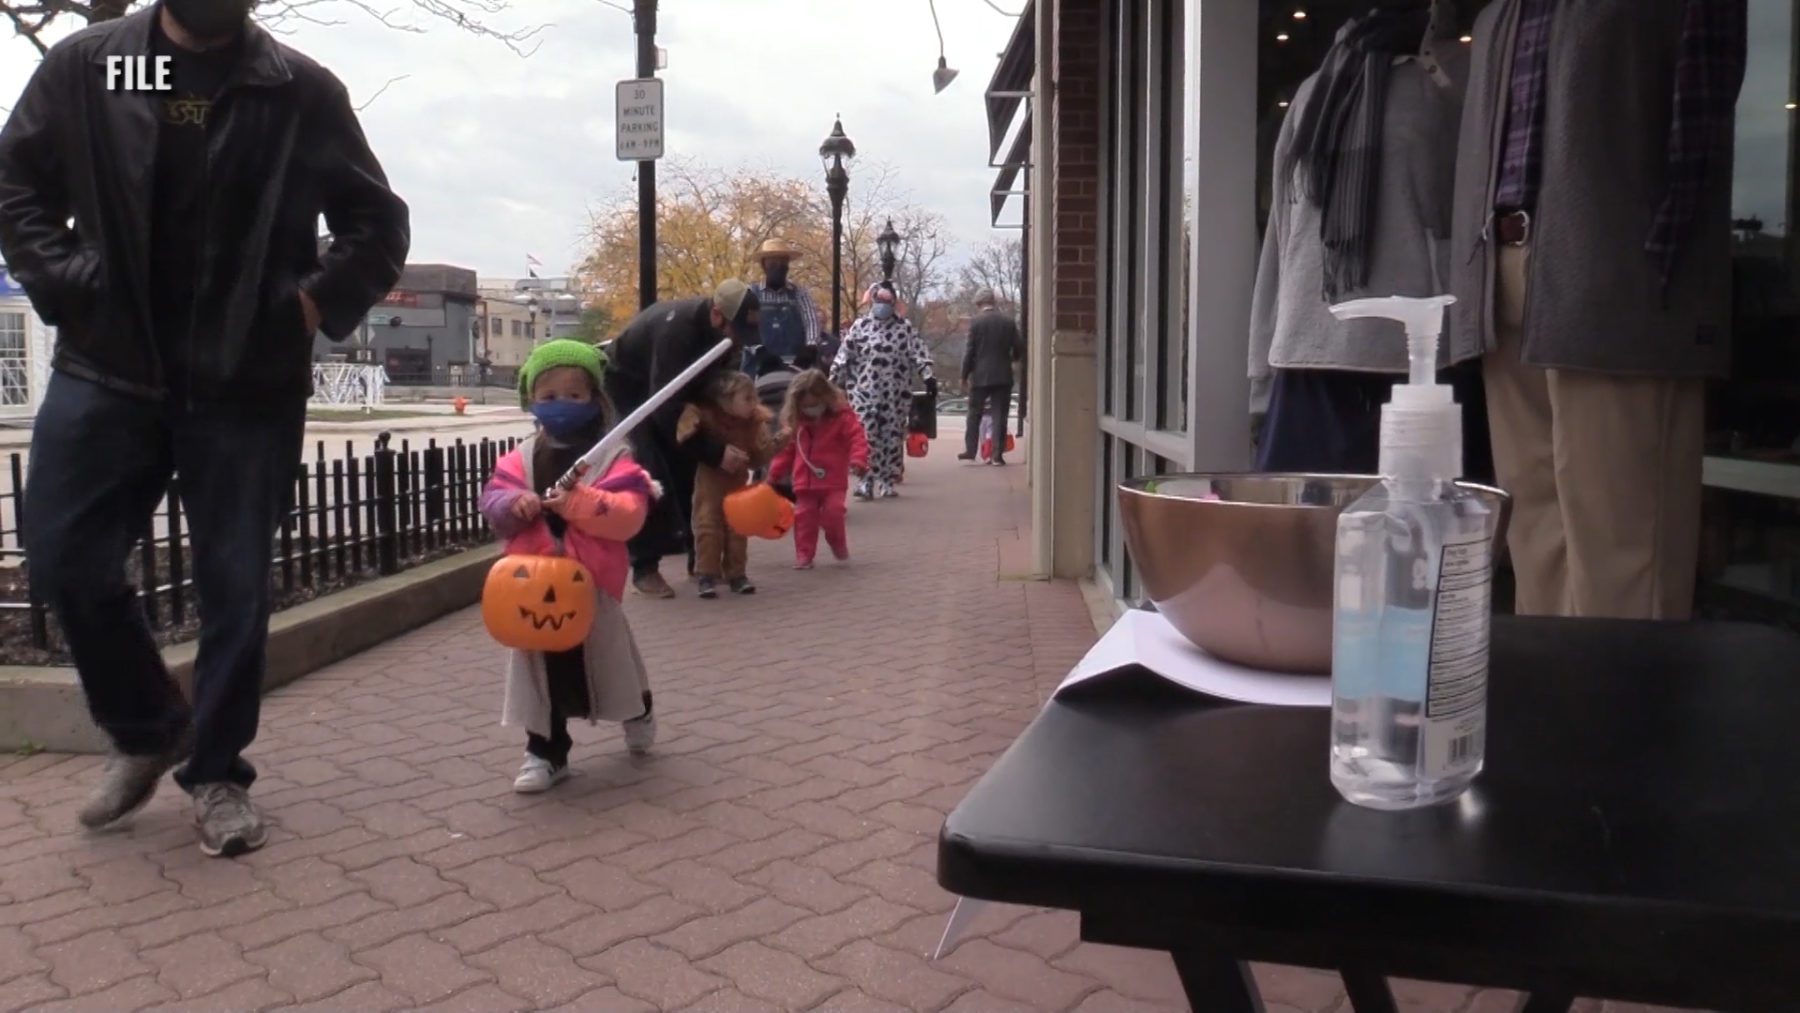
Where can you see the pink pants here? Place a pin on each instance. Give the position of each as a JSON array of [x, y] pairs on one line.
[[815, 509]]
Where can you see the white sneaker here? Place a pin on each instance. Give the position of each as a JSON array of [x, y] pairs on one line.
[[537, 774], [640, 734]]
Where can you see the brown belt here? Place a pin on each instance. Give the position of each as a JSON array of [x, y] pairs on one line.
[[1512, 228]]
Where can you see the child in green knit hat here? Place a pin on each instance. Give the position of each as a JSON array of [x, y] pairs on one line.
[[561, 385]]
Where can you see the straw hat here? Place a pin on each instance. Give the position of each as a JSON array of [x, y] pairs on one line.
[[778, 248]]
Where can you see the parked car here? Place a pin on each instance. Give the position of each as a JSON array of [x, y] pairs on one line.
[[959, 405]]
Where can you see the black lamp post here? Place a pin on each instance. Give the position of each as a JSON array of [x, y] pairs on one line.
[[836, 150], [889, 245]]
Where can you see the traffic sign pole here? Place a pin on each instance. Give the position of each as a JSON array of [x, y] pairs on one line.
[[645, 16]]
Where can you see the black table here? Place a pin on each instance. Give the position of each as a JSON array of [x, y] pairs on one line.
[[1635, 835]]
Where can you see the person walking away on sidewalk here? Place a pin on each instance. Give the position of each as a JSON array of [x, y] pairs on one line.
[[993, 347], [822, 445], [172, 240], [649, 354], [875, 364], [732, 415], [562, 385]]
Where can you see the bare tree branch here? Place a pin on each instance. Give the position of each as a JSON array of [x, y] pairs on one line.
[[391, 81]]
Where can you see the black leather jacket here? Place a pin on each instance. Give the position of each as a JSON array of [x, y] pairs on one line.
[[283, 148]]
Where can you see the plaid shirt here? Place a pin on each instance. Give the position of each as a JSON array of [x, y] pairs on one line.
[[1709, 73], [1522, 159]]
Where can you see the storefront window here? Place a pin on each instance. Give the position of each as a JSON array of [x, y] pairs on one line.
[[1750, 551]]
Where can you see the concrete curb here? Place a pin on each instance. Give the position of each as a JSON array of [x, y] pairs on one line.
[[1103, 609], [43, 708]]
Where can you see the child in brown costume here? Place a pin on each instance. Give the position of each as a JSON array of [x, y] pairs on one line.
[[733, 415]]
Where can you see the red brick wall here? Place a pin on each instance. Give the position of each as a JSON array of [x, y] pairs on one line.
[[1075, 167]]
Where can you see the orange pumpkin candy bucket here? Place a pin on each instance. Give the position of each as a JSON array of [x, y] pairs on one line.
[[758, 511], [538, 603]]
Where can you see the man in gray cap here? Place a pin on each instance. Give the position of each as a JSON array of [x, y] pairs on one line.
[[648, 354]]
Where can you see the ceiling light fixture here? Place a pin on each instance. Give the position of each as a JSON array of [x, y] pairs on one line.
[[1299, 15]]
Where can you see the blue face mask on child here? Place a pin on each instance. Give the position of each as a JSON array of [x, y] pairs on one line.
[[884, 310], [562, 419]]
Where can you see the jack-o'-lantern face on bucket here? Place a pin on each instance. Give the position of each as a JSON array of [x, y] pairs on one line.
[[538, 603]]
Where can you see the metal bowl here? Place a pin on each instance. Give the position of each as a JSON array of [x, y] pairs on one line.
[[1241, 563]]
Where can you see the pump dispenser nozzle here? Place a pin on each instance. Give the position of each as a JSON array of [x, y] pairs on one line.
[[1421, 425]]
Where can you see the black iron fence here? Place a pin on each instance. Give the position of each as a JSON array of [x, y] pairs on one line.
[[352, 518]]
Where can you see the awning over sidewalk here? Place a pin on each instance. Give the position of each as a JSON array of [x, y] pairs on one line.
[[1009, 112]]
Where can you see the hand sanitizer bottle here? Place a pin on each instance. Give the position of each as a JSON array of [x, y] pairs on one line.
[[1413, 584]]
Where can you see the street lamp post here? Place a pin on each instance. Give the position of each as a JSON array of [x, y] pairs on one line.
[[484, 359], [889, 245], [836, 150]]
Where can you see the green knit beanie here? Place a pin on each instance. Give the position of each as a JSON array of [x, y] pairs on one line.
[[553, 354]]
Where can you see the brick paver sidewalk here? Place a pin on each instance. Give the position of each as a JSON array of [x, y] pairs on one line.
[[776, 853]]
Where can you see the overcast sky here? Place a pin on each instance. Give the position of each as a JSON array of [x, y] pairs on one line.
[[500, 155]]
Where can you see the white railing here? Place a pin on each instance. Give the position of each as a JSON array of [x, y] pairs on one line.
[[348, 383]]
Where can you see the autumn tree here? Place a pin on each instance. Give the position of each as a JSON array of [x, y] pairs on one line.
[[711, 221], [998, 266], [33, 19]]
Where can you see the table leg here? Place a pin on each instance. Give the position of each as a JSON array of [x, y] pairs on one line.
[[1368, 991], [1545, 1002], [1215, 982]]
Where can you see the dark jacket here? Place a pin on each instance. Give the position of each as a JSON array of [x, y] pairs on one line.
[[284, 147], [1595, 298], [652, 350], [994, 345]]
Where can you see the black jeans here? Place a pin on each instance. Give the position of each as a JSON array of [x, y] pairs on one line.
[[997, 399], [566, 674], [100, 462], [666, 529]]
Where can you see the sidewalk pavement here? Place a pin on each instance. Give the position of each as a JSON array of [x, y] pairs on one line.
[[777, 852]]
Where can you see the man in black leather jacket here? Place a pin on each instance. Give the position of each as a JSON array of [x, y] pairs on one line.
[[172, 239]]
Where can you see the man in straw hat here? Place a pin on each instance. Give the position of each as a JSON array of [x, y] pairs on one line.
[[648, 354], [789, 322]]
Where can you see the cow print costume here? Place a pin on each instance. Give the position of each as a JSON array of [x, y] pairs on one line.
[[875, 364]]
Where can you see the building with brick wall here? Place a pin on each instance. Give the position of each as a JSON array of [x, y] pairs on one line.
[[1133, 141]]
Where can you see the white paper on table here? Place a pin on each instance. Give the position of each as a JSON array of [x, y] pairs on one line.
[[1146, 639]]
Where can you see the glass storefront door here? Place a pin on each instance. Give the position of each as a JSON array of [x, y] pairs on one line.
[[1750, 547]]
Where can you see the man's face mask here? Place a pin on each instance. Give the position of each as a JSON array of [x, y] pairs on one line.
[[776, 271], [210, 19]]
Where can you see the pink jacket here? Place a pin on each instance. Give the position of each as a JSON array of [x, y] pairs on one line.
[[602, 514], [834, 442]]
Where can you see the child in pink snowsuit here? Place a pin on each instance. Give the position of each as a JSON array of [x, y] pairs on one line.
[[823, 444]]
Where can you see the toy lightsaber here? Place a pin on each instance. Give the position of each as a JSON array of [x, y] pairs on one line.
[[620, 433]]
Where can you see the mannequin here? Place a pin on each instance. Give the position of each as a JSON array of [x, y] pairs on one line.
[[1322, 381], [1593, 262]]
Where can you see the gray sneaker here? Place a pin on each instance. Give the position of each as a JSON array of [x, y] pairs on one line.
[[128, 782], [229, 823]]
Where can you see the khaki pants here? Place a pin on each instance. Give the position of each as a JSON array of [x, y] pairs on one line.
[[1604, 473], [719, 552]]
